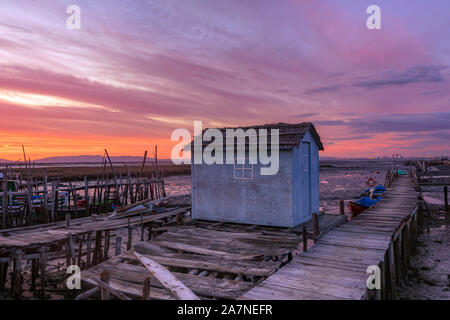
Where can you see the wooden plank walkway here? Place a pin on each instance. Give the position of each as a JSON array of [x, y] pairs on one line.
[[335, 267], [214, 260]]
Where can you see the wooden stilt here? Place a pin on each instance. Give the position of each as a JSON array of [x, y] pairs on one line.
[[3, 275], [446, 198], [118, 245], [130, 236], [341, 207], [315, 226], [304, 238], [43, 272], [392, 269], [17, 275], [146, 289], [104, 277], [34, 272], [88, 251], [107, 243]]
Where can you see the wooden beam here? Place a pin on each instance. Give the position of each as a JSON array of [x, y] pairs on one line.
[[203, 251], [87, 294], [167, 279]]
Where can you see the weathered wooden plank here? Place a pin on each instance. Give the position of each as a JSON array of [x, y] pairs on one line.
[[166, 278], [218, 265], [203, 251], [273, 292]]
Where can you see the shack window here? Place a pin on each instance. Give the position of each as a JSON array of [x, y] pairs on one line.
[[243, 171]]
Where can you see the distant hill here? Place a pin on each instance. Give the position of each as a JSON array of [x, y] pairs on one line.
[[89, 159], [95, 159], [4, 161]]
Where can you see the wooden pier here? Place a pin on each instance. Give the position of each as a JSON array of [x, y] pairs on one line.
[[336, 267], [84, 242], [212, 259]]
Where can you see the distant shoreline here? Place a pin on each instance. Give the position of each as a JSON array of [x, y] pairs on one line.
[[71, 172]]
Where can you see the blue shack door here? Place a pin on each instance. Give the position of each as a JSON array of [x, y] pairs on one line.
[[306, 180]]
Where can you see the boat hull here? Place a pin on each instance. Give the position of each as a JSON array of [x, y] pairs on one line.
[[355, 209]]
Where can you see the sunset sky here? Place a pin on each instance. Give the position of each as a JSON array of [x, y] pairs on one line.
[[139, 69]]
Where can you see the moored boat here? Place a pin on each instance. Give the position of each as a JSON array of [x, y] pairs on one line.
[[370, 197]]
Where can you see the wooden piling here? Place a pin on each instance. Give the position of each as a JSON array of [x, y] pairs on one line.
[[446, 198], [34, 272], [118, 245], [341, 207], [130, 236], [305, 238], [3, 275], [86, 195], [70, 251], [17, 275], [54, 199], [43, 273], [104, 277], [107, 243], [68, 220], [315, 226], [392, 269], [179, 219], [142, 227], [146, 289], [4, 201]]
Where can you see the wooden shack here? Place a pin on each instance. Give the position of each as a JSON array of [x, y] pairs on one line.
[[239, 193]]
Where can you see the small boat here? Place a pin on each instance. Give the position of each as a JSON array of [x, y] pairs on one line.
[[370, 197]]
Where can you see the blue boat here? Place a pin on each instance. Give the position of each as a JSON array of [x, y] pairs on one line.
[[371, 197]]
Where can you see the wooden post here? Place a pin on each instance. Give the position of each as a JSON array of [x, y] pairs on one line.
[[130, 236], [315, 226], [419, 212], [104, 276], [34, 272], [30, 218], [142, 227], [341, 207], [150, 231], [106, 246], [68, 220], [383, 280], [86, 195], [53, 201], [80, 251], [70, 251], [146, 289], [397, 259], [17, 275], [392, 275], [305, 239], [179, 219], [47, 218], [4, 201], [3, 275], [88, 251], [118, 245], [446, 198], [406, 243], [43, 275], [97, 248]]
